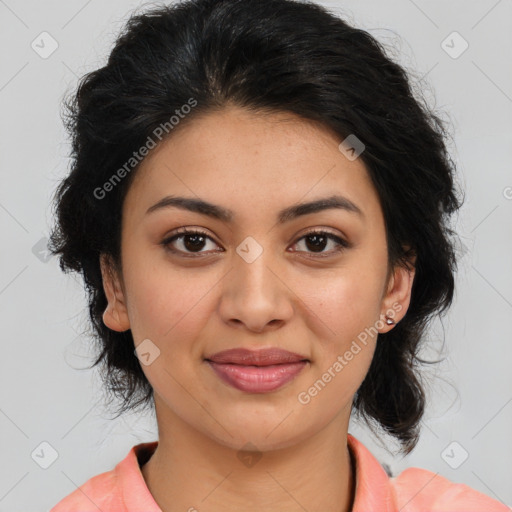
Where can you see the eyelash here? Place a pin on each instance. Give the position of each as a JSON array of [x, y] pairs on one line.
[[182, 232]]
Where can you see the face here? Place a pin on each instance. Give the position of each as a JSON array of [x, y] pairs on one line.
[[261, 274]]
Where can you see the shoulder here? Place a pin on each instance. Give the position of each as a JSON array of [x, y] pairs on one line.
[[413, 490], [122, 489], [419, 489], [98, 493]]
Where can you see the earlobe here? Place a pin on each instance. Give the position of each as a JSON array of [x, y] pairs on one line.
[[396, 301], [115, 316]]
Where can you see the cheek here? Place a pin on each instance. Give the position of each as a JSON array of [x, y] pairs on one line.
[[349, 307], [346, 306], [346, 302], [165, 303]]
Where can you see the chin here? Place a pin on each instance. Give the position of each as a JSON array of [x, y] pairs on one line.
[[268, 435]]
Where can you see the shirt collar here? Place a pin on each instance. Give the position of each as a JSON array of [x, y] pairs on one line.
[[135, 492], [373, 488]]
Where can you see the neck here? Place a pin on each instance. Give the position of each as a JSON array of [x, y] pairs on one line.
[[190, 471]]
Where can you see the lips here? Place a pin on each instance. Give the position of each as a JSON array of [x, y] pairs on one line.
[[259, 371], [262, 357]]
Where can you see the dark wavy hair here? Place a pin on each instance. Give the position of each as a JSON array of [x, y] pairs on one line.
[[266, 56]]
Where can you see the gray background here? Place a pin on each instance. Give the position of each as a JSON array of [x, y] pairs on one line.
[[45, 397]]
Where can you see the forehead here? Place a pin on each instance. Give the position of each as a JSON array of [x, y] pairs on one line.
[[252, 163]]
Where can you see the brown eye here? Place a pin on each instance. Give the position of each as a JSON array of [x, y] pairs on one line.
[[317, 241], [192, 242], [189, 241]]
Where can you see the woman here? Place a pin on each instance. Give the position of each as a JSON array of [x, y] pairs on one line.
[[259, 208]]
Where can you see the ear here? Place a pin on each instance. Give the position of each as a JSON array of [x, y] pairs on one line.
[[115, 316], [397, 297]]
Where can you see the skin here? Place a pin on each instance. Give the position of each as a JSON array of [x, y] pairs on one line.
[[289, 297]]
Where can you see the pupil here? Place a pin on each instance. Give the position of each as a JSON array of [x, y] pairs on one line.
[[318, 242], [196, 244]]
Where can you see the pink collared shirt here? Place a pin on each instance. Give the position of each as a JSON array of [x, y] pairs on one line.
[[124, 489]]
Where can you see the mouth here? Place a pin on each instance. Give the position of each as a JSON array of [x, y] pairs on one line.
[[258, 371]]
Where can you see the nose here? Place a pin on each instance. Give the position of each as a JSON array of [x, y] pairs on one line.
[[255, 295]]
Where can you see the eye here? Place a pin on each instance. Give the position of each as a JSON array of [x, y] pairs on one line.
[[317, 241], [193, 241], [189, 241]]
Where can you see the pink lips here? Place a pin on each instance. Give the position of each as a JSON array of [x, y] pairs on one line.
[[257, 371]]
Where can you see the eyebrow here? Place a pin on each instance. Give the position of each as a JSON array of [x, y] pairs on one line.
[[292, 212]]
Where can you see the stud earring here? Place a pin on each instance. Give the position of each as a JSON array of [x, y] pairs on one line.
[[389, 321]]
